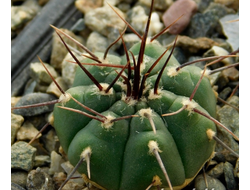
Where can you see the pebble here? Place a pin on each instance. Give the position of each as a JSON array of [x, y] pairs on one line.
[[104, 20], [179, 54], [236, 169], [229, 117], [51, 141], [22, 156], [97, 42], [27, 132], [202, 4], [206, 24], [34, 98], [130, 39], [68, 169], [231, 73], [231, 29], [53, 89], [41, 160], [234, 4], [39, 180], [19, 177], [40, 75], [15, 186], [69, 69], [55, 165], [16, 122], [217, 171], [179, 7], [219, 51], [213, 183], [137, 17], [195, 45], [86, 5], [20, 15], [155, 26], [160, 5], [229, 176], [59, 51], [225, 93]]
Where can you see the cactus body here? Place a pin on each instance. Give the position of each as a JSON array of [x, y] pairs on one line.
[[121, 155]]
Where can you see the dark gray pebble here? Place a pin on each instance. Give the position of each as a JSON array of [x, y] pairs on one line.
[[207, 24], [34, 98], [212, 183], [229, 176]]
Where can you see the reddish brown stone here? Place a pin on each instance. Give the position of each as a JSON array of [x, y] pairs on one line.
[[186, 7]]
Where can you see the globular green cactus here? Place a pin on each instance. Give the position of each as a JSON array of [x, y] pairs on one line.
[[135, 121]]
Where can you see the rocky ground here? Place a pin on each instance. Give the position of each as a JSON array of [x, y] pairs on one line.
[[208, 28]]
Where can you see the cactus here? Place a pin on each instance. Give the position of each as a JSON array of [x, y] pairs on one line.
[[145, 132], [137, 121]]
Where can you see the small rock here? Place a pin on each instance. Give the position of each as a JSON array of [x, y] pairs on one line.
[[130, 39], [22, 156], [212, 183], [97, 42], [53, 89], [179, 54], [218, 51], [225, 93], [236, 169], [56, 161], [200, 64], [15, 186], [229, 117], [69, 69], [86, 5], [41, 160], [30, 87], [39, 73], [231, 73], [39, 180], [42, 2], [195, 45], [137, 17], [104, 20], [20, 15], [217, 171], [50, 141], [178, 8], [229, 3], [206, 24], [159, 4], [155, 26], [231, 29], [229, 176], [59, 51], [19, 177], [112, 2], [14, 100], [78, 26], [202, 4], [16, 122], [27, 132], [68, 168], [34, 98]]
